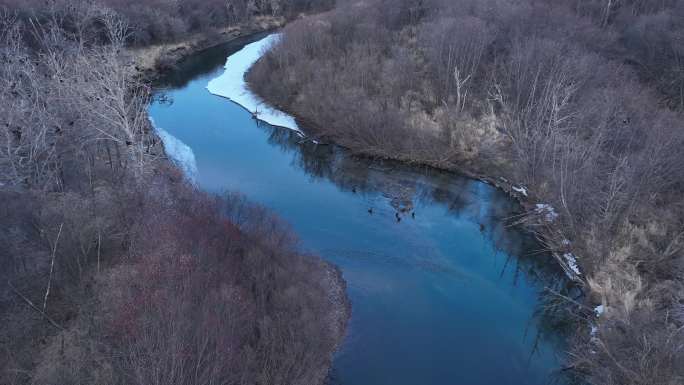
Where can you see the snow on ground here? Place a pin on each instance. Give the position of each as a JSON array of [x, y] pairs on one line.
[[522, 190], [231, 84], [179, 152], [593, 330], [547, 210], [572, 263], [599, 310]]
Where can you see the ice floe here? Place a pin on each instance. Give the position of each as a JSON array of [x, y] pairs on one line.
[[231, 84], [179, 152]]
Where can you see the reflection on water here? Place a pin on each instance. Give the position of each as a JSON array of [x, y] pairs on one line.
[[442, 290]]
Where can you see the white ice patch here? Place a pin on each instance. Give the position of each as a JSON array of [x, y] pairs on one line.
[[522, 190], [231, 84], [179, 152], [572, 263], [547, 211], [599, 310]]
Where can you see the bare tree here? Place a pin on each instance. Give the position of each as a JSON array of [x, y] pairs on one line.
[[456, 49]]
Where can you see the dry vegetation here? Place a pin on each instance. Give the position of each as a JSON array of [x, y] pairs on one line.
[[114, 270], [159, 21], [581, 102]]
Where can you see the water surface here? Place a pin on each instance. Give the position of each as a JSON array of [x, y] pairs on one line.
[[448, 295]]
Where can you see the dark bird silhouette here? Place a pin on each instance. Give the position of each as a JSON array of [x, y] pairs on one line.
[[398, 217], [413, 215], [354, 190], [128, 143], [482, 227], [17, 133], [370, 211]]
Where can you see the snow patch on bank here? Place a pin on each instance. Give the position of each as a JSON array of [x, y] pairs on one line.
[[520, 189], [598, 310], [231, 84], [179, 152], [547, 211], [572, 263]]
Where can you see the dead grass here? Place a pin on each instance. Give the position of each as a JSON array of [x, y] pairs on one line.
[[148, 58]]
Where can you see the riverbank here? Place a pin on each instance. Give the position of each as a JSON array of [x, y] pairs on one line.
[[430, 266], [338, 319], [147, 66], [533, 216], [151, 62], [117, 269], [608, 209]]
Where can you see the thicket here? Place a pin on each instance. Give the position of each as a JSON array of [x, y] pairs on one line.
[[114, 269], [158, 21], [580, 103]]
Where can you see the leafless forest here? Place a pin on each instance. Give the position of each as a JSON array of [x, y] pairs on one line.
[[114, 269], [154, 21], [579, 102]]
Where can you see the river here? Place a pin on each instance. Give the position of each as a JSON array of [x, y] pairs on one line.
[[442, 290]]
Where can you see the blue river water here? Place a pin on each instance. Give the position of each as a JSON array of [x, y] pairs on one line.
[[443, 291]]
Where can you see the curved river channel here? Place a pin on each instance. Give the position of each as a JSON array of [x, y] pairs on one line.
[[449, 295]]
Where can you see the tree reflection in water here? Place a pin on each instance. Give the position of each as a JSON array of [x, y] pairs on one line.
[[461, 196]]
